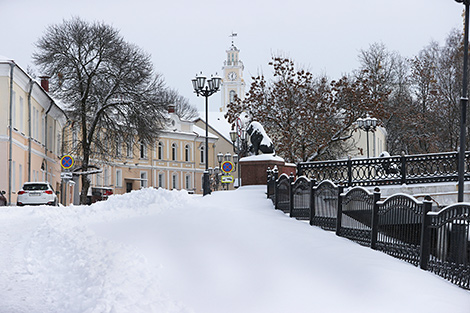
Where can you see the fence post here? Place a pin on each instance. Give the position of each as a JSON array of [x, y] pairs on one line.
[[425, 234], [375, 219], [291, 193], [349, 171], [312, 202], [276, 196], [299, 169], [403, 168], [339, 211], [268, 181]]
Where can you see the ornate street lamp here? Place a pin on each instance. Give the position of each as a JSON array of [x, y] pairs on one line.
[[463, 108], [206, 90], [367, 124]]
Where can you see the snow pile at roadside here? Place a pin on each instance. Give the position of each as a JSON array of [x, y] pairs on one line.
[[167, 251], [70, 269]]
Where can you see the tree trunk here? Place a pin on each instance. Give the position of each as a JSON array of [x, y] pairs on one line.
[[85, 179]]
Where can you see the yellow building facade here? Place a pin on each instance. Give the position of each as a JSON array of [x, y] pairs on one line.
[[176, 160], [30, 131]]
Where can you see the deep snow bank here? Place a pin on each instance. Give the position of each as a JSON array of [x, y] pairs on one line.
[[167, 251]]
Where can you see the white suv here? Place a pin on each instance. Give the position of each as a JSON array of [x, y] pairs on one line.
[[37, 193]]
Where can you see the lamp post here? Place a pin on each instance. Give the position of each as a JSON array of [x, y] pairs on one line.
[[463, 108], [367, 124], [240, 151], [206, 90]]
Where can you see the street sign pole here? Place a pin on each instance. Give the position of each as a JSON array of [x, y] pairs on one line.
[[67, 163]]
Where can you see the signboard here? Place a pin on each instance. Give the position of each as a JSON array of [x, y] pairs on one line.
[[227, 179], [66, 175], [227, 167], [66, 162]]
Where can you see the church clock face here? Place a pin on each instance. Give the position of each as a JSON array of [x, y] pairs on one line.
[[232, 75]]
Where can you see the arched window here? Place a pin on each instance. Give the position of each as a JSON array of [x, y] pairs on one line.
[[160, 151], [232, 95], [187, 151], [143, 150], [202, 154], [174, 151]]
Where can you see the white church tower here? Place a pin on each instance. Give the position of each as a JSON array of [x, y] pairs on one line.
[[232, 79]]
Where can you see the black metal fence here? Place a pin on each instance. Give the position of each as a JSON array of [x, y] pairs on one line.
[[400, 225], [404, 169], [355, 215]]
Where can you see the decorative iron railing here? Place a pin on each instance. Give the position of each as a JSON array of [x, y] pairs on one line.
[[324, 205], [355, 215], [446, 244], [405, 169], [400, 225]]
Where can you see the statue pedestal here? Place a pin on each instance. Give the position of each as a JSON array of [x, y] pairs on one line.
[[253, 168]]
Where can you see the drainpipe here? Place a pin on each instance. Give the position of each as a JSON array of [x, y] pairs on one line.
[[30, 107], [10, 120]]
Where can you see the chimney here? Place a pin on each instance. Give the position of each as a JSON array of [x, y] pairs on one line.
[[171, 109], [45, 82]]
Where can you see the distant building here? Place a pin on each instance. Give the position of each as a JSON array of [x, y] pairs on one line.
[[377, 142], [176, 160], [30, 130], [233, 83]]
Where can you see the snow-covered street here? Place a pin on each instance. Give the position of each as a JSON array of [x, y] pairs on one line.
[[167, 251]]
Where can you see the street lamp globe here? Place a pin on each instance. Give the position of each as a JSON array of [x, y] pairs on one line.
[[220, 157]]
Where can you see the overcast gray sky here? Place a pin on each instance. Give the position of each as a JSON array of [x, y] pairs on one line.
[[185, 37]]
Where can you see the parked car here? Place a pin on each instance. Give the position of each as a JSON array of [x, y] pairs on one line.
[[37, 193], [96, 194], [3, 200]]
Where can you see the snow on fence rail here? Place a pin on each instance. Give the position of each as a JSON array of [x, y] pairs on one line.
[[390, 170], [400, 225]]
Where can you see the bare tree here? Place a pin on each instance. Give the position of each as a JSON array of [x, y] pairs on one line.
[[308, 118], [107, 86], [183, 108]]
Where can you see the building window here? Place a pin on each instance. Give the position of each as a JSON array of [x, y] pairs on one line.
[[174, 151], [20, 175], [161, 180], [232, 95], [143, 150], [174, 181], [43, 128], [118, 146], [106, 177], [188, 182], [187, 151], [118, 178], [13, 110], [13, 177], [203, 155], [143, 179], [21, 117], [129, 149], [160, 151]]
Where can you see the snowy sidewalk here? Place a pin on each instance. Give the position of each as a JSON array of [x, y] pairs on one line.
[[230, 252]]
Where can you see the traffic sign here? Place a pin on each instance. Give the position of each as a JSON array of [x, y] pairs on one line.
[[66, 162], [227, 167], [227, 179], [66, 175]]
